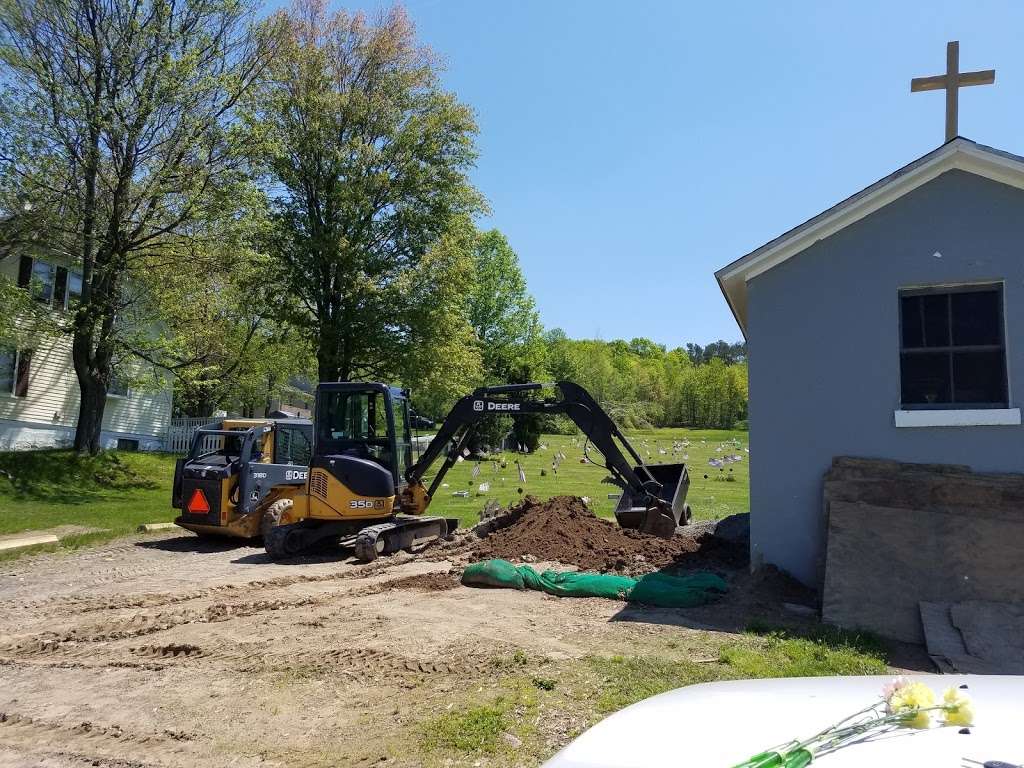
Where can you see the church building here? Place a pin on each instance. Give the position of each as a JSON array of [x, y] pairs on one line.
[[889, 326]]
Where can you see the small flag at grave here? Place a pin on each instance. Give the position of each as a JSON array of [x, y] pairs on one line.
[[475, 472]]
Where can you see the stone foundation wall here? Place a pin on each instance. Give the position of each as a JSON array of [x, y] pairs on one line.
[[899, 534]]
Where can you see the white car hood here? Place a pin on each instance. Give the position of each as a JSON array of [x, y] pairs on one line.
[[722, 724]]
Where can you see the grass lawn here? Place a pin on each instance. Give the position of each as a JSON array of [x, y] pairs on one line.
[[117, 491], [114, 491]]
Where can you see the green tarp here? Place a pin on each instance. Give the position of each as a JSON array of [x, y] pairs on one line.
[[659, 589]]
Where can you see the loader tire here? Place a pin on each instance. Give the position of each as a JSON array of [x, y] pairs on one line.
[[277, 538]]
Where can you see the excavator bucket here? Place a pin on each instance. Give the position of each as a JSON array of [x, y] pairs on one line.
[[669, 510]]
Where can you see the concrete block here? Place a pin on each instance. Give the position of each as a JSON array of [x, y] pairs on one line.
[[8, 543]]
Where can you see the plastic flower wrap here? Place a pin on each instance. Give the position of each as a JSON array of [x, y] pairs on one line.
[[904, 704]]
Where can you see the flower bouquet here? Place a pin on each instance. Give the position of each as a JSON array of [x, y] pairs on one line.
[[904, 704]]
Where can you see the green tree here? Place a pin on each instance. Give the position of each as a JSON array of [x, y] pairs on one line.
[[116, 122], [368, 163], [218, 337], [502, 313]]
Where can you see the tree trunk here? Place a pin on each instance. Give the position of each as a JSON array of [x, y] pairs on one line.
[[90, 410], [92, 367]]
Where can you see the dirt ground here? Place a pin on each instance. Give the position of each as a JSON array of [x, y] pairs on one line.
[[174, 651]]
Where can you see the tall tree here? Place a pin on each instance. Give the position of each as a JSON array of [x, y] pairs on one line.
[[369, 164], [116, 120], [502, 312]]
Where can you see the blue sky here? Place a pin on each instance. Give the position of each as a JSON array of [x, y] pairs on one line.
[[630, 149]]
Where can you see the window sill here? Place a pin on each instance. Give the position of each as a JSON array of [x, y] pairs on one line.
[[978, 417]]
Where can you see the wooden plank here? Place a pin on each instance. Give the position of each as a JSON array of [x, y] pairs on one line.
[[952, 88], [981, 77], [934, 83]]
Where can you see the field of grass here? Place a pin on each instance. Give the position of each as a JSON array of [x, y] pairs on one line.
[[117, 491], [114, 492], [714, 492]]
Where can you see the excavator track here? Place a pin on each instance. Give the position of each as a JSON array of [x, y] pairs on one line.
[[402, 533]]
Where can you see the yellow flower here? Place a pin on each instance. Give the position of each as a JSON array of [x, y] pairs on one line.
[[957, 708], [911, 698], [920, 720]]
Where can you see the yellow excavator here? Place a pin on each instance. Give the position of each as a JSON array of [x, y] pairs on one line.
[[364, 490]]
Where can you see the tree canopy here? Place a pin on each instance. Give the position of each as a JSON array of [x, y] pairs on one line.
[[367, 165]]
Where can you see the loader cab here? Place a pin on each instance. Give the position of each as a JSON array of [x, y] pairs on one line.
[[368, 421]]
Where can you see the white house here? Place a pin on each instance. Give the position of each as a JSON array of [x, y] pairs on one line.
[[39, 390]]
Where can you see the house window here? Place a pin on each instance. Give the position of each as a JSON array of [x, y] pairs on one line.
[[14, 371], [74, 290], [8, 370], [43, 277], [126, 444], [118, 387], [952, 351]]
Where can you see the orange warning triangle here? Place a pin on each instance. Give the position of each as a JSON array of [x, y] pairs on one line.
[[198, 505]]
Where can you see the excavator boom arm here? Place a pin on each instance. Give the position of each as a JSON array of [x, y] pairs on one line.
[[661, 510]]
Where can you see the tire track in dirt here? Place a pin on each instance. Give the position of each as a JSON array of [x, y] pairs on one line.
[[73, 605], [148, 623], [359, 663], [87, 740]]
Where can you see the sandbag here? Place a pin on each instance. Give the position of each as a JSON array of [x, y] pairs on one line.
[[666, 591], [658, 589], [493, 573], [576, 584]]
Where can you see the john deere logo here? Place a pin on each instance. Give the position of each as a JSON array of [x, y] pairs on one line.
[[478, 405]]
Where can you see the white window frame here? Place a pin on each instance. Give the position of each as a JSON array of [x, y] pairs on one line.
[[966, 417]]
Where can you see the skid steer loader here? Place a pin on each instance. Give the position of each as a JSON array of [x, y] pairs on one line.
[[364, 489], [223, 464]]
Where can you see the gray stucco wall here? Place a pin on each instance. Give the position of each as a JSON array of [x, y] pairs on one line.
[[823, 335]]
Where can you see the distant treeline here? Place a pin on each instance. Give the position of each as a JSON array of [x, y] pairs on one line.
[[641, 383]]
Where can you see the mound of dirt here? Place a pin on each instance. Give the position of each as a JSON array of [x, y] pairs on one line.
[[423, 582], [563, 529]]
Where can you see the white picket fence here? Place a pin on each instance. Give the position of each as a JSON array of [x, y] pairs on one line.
[[179, 435]]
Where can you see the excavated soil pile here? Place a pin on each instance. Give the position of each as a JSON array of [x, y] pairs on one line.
[[563, 529], [423, 582]]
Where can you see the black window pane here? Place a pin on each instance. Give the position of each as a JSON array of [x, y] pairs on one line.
[[911, 320], [979, 377], [925, 378], [925, 320], [976, 318]]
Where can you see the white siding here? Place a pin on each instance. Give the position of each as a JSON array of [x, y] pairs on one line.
[[51, 404]]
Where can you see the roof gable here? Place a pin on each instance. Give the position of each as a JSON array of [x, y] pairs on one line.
[[960, 154]]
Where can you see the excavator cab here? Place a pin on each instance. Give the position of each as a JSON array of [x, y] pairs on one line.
[[362, 450], [364, 421]]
